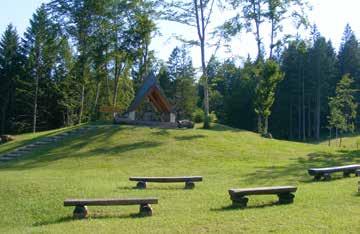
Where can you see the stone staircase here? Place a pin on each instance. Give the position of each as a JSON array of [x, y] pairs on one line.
[[24, 150]]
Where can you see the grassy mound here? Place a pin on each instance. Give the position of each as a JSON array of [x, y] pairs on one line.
[[98, 164]]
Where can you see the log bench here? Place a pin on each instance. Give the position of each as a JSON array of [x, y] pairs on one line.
[[81, 210], [285, 194], [189, 180], [326, 172]]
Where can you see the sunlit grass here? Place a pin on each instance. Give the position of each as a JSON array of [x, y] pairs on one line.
[[99, 164]]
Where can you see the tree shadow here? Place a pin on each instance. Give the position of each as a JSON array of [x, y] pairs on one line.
[[48, 153], [297, 170], [93, 215], [189, 138], [254, 206], [223, 128], [161, 132]]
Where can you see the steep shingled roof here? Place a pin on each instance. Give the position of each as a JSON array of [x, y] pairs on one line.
[[151, 90]]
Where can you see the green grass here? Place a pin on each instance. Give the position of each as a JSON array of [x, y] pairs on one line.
[[99, 164]]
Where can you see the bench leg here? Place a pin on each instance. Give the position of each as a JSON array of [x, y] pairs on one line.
[[317, 177], [80, 212], [286, 198], [346, 174], [357, 173], [141, 185], [327, 177], [240, 202], [189, 185], [145, 210]]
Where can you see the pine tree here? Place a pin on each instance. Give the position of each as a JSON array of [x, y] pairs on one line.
[[181, 74], [40, 49], [11, 67]]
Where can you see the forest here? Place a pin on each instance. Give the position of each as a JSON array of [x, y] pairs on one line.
[[78, 56]]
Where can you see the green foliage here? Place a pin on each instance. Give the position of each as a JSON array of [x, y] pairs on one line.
[[13, 95], [198, 116], [213, 118], [270, 76], [343, 106]]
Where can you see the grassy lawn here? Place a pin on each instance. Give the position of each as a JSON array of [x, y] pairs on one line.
[[98, 165]]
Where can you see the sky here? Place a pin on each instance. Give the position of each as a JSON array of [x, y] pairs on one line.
[[330, 16]]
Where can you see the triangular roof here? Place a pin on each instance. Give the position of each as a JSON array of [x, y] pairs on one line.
[[151, 90]]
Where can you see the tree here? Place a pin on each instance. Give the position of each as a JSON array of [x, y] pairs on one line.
[[40, 50], [322, 66], [11, 67], [265, 92], [74, 16], [196, 14], [181, 74], [343, 107], [349, 59]]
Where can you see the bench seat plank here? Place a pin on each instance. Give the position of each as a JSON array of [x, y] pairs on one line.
[[316, 171], [263, 190], [167, 179], [112, 201]]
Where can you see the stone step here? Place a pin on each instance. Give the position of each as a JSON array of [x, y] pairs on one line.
[[5, 159], [39, 143], [31, 146], [13, 155], [23, 149]]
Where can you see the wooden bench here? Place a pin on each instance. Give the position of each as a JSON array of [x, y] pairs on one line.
[[81, 210], [189, 180], [238, 196], [326, 172]]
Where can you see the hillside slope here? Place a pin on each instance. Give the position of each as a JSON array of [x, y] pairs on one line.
[[98, 164]]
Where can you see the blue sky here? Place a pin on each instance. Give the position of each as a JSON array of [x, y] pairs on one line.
[[331, 17]]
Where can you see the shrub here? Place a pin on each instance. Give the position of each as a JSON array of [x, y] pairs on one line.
[[213, 118], [198, 116]]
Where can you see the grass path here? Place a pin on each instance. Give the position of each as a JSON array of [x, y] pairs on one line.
[[98, 165]]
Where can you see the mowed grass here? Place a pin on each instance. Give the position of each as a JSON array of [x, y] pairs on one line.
[[98, 165]]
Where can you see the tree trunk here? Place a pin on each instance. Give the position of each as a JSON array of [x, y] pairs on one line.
[[256, 8], [82, 103], [200, 23], [35, 103], [291, 120], [309, 117], [272, 39], [303, 106], [330, 136], [317, 111], [266, 125], [340, 140], [259, 124], [3, 118], [299, 118], [96, 99], [336, 135]]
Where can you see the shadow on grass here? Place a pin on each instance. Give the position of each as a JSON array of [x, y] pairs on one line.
[[48, 153], [94, 215], [232, 207], [297, 170], [222, 128], [189, 138], [161, 132], [153, 188]]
